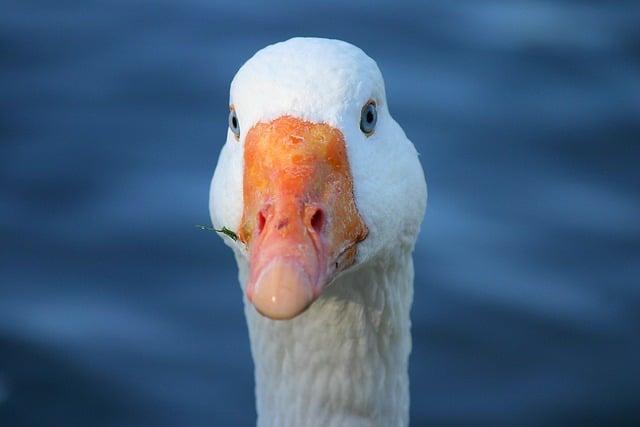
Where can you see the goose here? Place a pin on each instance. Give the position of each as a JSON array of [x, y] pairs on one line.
[[320, 195]]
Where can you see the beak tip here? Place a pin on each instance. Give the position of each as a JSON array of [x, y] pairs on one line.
[[282, 290]]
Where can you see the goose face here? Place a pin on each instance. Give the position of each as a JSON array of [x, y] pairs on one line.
[[315, 175]]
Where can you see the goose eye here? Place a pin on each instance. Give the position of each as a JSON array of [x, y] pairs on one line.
[[234, 124], [368, 118]]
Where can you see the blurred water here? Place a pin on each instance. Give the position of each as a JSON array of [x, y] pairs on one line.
[[116, 311]]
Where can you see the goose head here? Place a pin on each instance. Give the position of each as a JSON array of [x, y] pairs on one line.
[[316, 178]]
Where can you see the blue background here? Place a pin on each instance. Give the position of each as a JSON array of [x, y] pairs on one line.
[[116, 311]]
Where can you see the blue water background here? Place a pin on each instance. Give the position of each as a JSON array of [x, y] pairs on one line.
[[116, 311]]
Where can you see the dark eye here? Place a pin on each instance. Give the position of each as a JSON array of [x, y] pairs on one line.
[[368, 118], [234, 124]]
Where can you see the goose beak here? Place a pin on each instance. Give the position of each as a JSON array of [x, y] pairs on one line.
[[300, 222]]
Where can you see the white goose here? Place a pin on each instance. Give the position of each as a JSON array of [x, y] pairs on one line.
[[326, 195]]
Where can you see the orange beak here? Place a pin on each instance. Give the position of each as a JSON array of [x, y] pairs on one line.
[[300, 222]]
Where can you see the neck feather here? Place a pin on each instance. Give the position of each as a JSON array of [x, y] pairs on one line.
[[344, 361]]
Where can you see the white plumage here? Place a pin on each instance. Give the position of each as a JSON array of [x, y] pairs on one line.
[[343, 361]]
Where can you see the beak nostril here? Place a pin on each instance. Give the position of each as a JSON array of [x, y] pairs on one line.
[[261, 222], [317, 220]]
